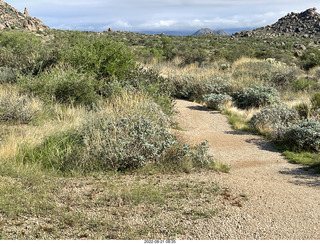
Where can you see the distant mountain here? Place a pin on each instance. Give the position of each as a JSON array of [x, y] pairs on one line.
[[206, 31], [10, 18], [305, 24]]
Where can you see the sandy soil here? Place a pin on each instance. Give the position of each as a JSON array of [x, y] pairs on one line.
[[282, 201]]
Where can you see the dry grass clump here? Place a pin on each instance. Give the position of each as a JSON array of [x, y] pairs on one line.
[[15, 108], [60, 118]]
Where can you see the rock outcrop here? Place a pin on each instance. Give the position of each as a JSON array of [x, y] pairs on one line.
[[10, 18], [305, 24], [206, 31]]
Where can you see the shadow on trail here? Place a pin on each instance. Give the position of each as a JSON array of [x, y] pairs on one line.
[[302, 177], [202, 108], [237, 132], [263, 144]]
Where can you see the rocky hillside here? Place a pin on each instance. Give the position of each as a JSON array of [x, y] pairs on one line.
[[305, 24], [205, 31], [10, 18]]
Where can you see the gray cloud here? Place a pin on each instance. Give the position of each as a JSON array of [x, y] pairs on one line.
[[138, 15]]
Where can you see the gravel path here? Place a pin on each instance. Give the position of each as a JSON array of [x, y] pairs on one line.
[[282, 200]]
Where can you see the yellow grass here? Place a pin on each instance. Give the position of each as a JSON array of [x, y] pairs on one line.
[[173, 68], [296, 99], [13, 135]]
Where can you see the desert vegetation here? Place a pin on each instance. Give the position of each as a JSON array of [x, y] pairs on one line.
[[94, 113]]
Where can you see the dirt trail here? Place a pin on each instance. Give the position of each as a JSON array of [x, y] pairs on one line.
[[279, 200]]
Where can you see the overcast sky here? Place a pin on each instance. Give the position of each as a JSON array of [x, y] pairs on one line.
[[160, 15]]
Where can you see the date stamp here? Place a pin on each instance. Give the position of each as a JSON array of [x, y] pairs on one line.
[[160, 241]]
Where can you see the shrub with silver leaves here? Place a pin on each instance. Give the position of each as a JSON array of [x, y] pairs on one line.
[[255, 97], [275, 119], [304, 136], [124, 143], [217, 101]]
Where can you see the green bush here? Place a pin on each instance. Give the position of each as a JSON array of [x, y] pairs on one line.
[[151, 83], [188, 87], [311, 58], [24, 51], [315, 101], [195, 56], [303, 110], [305, 84], [16, 108], [61, 84], [304, 136], [184, 87], [101, 57], [274, 120], [217, 101], [256, 97]]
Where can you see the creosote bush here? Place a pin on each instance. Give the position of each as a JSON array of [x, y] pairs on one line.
[[255, 97], [61, 84], [19, 49], [98, 56]]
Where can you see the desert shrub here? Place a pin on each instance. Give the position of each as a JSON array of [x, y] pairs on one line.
[[303, 110], [61, 84], [132, 132], [195, 56], [126, 143], [184, 86], [214, 85], [126, 133], [256, 97], [217, 101], [274, 120], [99, 56], [183, 157], [168, 48], [304, 136], [25, 51], [283, 78], [189, 87], [315, 72], [8, 75], [18, 49], [256, 67], [268, 72], [315, 101], [17, 108], [311, 58], [304, 84], [150, 82]]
